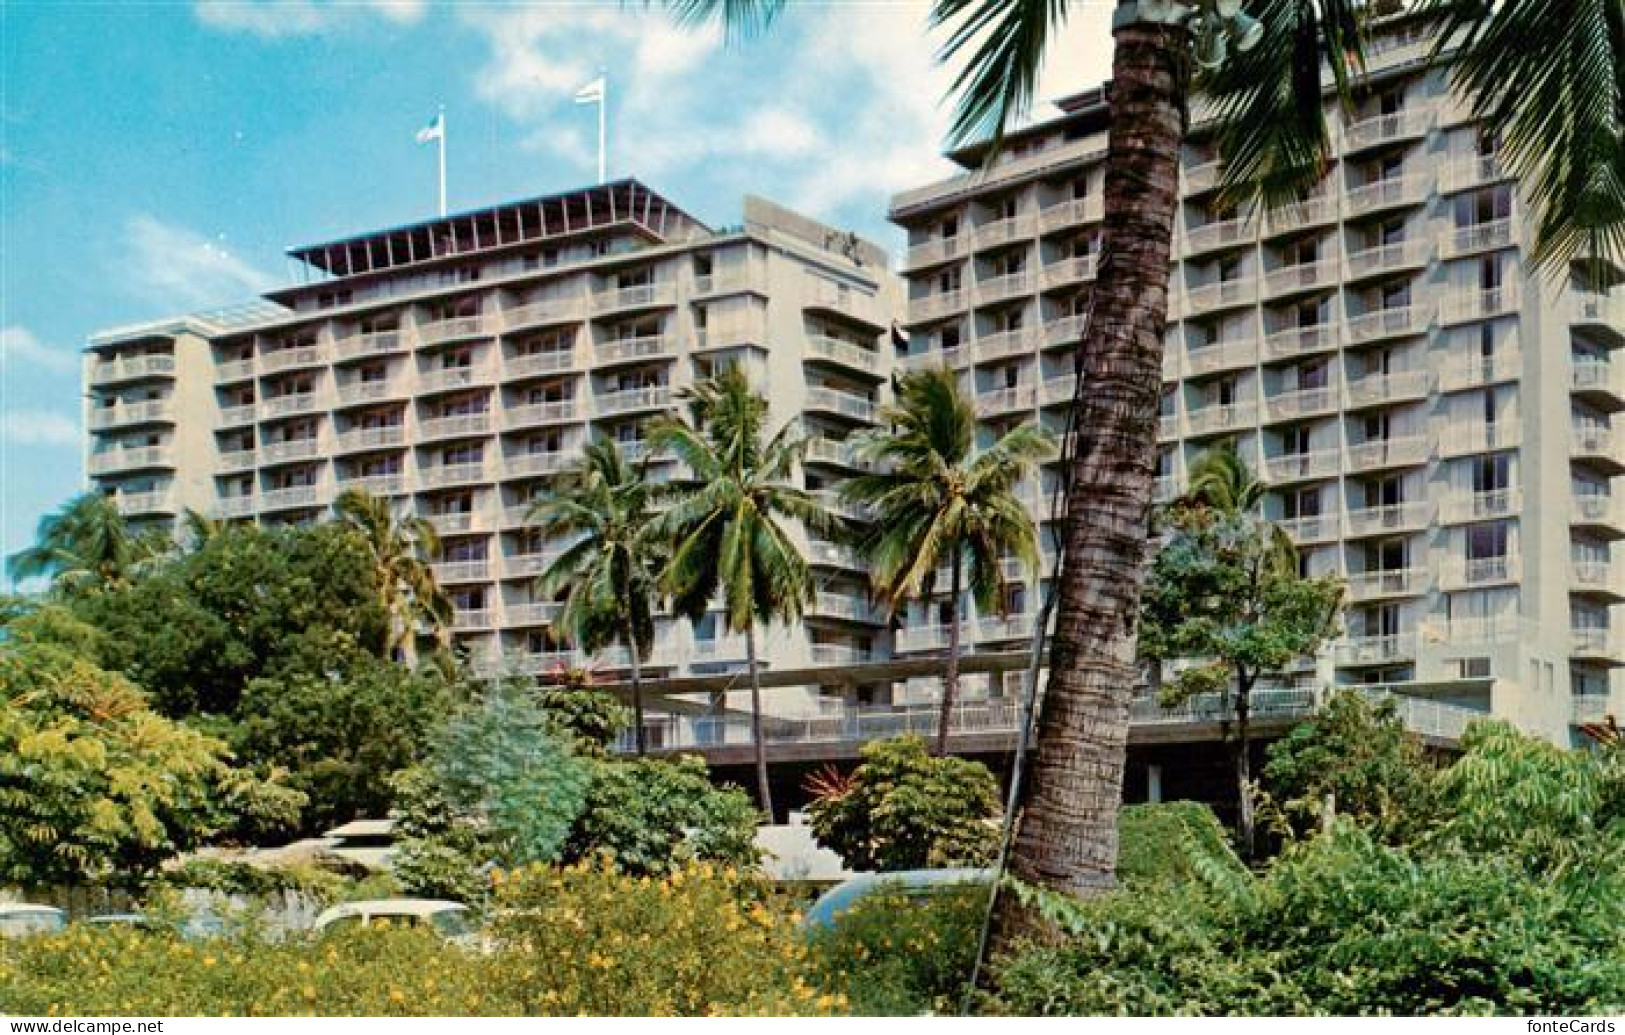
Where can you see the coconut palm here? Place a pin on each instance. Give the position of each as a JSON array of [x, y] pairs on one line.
[[937, 499], [1543, 78], [611, 572], [86, 544], [199, 527], [727, 523], [1221, 480], [399, 547]]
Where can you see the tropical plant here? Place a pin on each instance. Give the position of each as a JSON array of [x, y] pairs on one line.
[[653, 816], [1222, 599], [199, 527], [590, 716], [1542, 77], [937, 499], [611, 571], [727, 523], [399, 548], [86, 544], [903, 808], [1221, 480]]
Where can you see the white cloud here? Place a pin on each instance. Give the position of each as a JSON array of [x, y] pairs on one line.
[[38, 428], [275, 19], [180, 269], [20, 346]]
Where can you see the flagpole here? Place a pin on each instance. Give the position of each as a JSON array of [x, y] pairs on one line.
[[442, 142], [603, 108]]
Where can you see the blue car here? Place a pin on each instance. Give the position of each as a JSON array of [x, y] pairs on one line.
[[915, 884]]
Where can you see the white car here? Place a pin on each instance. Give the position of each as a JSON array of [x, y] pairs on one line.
[[19, 919], [451, 920]]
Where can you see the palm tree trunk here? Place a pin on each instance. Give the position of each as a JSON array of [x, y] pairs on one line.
[[950, 672], [1067, 838], [764, 791], [639, 736], [1246, 827]]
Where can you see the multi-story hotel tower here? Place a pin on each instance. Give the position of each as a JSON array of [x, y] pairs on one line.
[[1433, 416], [456, 365]]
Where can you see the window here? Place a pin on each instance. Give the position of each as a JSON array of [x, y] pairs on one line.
[[1487, 541]]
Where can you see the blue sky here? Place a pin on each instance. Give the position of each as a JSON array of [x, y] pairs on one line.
[[159, 157]]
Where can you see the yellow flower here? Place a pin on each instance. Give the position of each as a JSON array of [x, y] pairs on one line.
[[397, 996], [209, 961]]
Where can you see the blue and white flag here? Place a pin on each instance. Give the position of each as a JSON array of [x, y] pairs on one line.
[[435, 130]]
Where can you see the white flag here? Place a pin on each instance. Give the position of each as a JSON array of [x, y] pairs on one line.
[[435, 130], [592, 93]]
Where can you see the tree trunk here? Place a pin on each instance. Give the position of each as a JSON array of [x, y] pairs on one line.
[[640, 737], [1067, 839], [950, 672], [764, 791], [1245, 826]]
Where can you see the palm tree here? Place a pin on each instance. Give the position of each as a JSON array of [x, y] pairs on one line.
[[1222, 481], [612, 570], [937, 498], [85, 544], [399, 547], [727, 523], [1542, 78], [200, 527]]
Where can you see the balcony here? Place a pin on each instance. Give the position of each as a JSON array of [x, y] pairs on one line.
[[1463, 440], [1310, 529], [1301, 403], [450, 379], [926, 308], [472, 621], [359, 393], [290, 359], [1482, 237], [859, 305], [1379, 130], [1006, 400], [1292, 467], [1201, 178], [632, 400], [934, 252], [449, 572], [531, 612], [132, 458], [1398, 322], [1481, 371], [1393, 192], [1594, 443], [1376, 650], [844, 404], [230, 416], [456, 328], [1471, 172], [521, 465], [836, 453], [1593, 378], [1474, 572], [840, 654], [232, 460], [529, 565], [133, 368], [1218, 419], [1071, 272], [532, 415], [131, 413], [1067, 214], [441, 476], [1294, 342], [634, 350], [537, 364], [234, 370], [846, 608], [1402, 451], [1594, 577], [1386, 259], [1065, 331], [231, 507], [731, 334], [456, 425], [1390, 518], [1587, 709], [1222, 294], [1058, 391], [1597, 513], [389, 484], [291, 497], [834, 555], [143, 504], [994, 290], [1594, 645], [457, 522], [288, 405], [547, 312], [1393, 387], [1489, 505], [1002, 231], [291, 449], [846, 354], [1297, 216], [1462, 307], [1378, 585], [370, 343], [359, 440], [1307, 276], [1220, 356], [638, 296], [1223, 233], [1598, 312]]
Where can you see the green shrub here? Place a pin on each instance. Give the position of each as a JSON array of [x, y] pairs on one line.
[[1170, 842], [654, 815], [240, 878], [892, 955]]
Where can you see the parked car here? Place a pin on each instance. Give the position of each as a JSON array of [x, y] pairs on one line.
[[20, 919], [137, 920], [919, 885], [452, 920]]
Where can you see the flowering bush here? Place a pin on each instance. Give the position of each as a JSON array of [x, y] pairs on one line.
[[893, 955]]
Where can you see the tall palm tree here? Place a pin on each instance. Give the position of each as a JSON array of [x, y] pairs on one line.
[[613, 569], [937, 498], [727, 523], [1542, 76], [86, 544], [1221, 480], [400, 548]]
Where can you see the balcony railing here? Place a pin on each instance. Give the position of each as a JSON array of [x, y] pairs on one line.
[[623, 350], [456, 522], [456, 425], [456, 327], [1403, 582], [390, 484], [1071, 271], [359, 392], [1213, 419], [1003, 288], [822, 450], [1006, 400], [1389, 323], [1593, 440], [1597, 509], [533, 414], [1470, 172], [546, 311], [933, 306], [1317, 463], [1384, 129], [844, 403], [1376, 650], [1593, 643], [444, 379], [1395, 386], [1593, 374], [1310, 528], [1401, 451], [532, 613], [1300, 341], [1219, 234], [1212, 358], [1480, 237], [1302, 277], [1395, 191], [132, 457], [1481, 571], [286, 405], [133, 367], [1061, 215], [436, 476], [290, 497], [472, 621], [1304, 402], [1595, 575], [534, 363], [1002, 231], [358, 439], [1459, 440], [1221, 294], [630, 400], [288, 359], [135, 504], [847, 607], [846, 353], [546, 462], [1482, 506], [1462, 307], [1392, 517], [238, 460], [235, 506], [370, 343], [474, 570], [291, 449], [1595, 309], [131, 413], [1067, 330], [234, 370], [1479, 371], [941, 249], [1390, 258], [637, 296]]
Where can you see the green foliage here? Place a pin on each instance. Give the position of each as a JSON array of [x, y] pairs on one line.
[[1358, 756], [86, 546], [94, 785], [259, 882], [896, 956], [654, 817], [399, 549], [1172, 843], [591, 718], [904, 809]]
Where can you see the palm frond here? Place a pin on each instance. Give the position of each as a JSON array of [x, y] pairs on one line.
[[1004, 42], [740, 19]]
